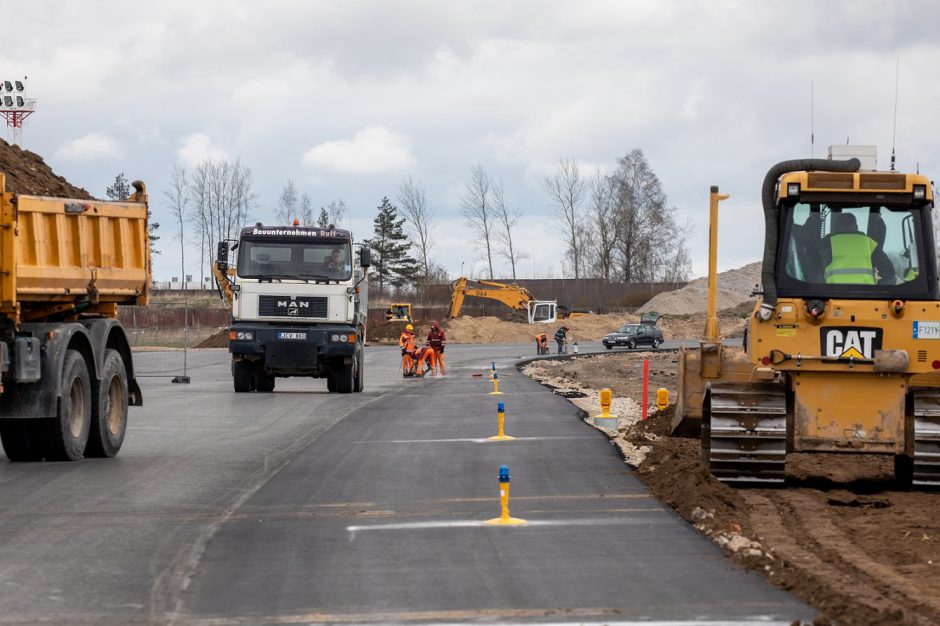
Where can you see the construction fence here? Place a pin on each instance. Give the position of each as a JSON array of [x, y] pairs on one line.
[[162, 334]]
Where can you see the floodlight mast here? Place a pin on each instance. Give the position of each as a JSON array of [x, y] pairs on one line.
[[15, 108]]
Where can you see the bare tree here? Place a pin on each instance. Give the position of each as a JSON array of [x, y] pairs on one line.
[[567, 189], [604, 229], [507, 219], [305, 211], [177, 197], [646, 226], [337, 211], [287, 204], [476, 206], [419, 218], [222, 201]]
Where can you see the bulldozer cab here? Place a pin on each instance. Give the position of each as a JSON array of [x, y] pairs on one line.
[[398, 312], [856, 250]]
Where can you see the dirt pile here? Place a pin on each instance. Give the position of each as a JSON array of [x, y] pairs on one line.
[[734, 288], [861, 552], [27, 173], [217, 340]]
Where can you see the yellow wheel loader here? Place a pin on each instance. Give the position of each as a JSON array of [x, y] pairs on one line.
[[842, 350]]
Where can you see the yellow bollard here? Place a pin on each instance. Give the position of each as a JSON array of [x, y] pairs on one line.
[[605, 419], [504, 519], [662, 398], [496, 391], [501, 416]]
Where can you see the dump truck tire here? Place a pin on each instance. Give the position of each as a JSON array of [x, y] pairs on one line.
[[360, 373], [109, 409], [264, 382], [66, 435], [21, 439], [346, 378]]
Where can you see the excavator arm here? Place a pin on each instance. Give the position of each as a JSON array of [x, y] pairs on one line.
[[223, 281], [513, 296]]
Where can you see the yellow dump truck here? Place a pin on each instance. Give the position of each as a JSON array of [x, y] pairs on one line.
[[67, 373]]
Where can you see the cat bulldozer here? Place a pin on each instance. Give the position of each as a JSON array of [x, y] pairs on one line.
[[842, 350]]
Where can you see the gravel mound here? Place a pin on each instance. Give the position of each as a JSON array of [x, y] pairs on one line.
[[734, 288]]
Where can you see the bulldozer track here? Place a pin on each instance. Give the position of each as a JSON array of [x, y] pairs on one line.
[[804, 535], [744, 432], [926, 438]]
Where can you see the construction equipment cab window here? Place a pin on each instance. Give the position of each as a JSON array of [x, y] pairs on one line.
[[286, 260], [854, 250]]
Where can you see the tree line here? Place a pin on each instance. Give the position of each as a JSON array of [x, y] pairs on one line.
[[617, 226]]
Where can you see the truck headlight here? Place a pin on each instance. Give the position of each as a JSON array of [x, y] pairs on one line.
[[241, 335]]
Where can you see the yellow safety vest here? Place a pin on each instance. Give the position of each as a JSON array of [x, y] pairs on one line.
[[851, 260]]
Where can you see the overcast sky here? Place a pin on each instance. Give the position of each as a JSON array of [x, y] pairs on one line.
[[348, 98]]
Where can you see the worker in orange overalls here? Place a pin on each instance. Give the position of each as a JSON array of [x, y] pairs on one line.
[[541, 343], [424, 361], [437, 339], [407, 344]]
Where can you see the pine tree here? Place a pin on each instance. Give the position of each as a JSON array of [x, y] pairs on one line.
[[120, 191], [392, 263], [324, 220]]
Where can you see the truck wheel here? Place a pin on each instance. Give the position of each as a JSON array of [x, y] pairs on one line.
[[109, 409], [66, 434], [346, 379], [331, 382], [264, 382], [242, 374], [21, 441], [360, 373]]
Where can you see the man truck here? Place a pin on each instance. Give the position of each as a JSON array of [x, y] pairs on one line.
[[67, 373], [299, 306]]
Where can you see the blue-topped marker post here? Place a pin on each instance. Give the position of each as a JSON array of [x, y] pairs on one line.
[[496, 391], [501, 417], [504, 519]]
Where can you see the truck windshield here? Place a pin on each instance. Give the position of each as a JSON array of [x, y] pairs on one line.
[[870, 250], [294, 259]]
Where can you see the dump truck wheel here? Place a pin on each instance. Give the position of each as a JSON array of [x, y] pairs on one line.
[[242, 373], [264, 382], [21, 439], [331, 382], [66, 435], [109, 409]]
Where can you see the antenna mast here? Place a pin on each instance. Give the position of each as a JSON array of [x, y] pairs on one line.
[[894, 132], [812, 125]]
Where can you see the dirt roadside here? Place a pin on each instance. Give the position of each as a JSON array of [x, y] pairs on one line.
[[861, 552]]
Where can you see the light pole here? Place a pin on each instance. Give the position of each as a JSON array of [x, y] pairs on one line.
[[461, 268]]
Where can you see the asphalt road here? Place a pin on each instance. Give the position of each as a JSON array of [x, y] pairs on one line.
[[307, 507]]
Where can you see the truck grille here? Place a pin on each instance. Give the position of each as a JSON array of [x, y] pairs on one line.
[[287, 306]]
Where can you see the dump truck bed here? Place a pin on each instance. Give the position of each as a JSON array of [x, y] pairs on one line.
[[62, 255]]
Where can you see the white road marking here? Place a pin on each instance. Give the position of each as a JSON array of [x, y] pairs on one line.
[[472, 440], [612, 521]]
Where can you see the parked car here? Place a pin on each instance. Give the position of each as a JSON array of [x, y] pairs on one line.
[[633, 335]]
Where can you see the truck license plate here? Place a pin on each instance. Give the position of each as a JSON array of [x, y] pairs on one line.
[[301, 336]]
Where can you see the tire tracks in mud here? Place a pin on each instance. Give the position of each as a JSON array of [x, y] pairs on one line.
[[831, 570]]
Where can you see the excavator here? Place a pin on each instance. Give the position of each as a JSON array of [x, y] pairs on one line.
[[512, 295], [842, 349]]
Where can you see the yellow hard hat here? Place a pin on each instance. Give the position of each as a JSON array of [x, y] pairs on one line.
[[409, 327]]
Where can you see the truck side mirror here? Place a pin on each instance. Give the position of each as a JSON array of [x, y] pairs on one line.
[[221, 254], [365, 256]]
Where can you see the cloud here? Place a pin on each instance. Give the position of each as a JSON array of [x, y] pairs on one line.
[[371, 150], [197, 148], [91, 147]]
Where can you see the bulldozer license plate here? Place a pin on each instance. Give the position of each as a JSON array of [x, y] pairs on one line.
[[301, 336]]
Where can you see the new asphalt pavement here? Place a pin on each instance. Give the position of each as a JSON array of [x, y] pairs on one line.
[[301, 506]]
